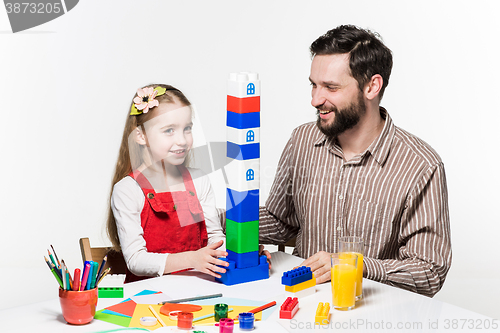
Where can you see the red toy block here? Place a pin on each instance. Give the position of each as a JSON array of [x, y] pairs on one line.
[[289, 308], [243, 105]]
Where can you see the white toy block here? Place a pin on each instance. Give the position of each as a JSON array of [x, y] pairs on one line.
[[303, 293], [112, 281], [243, 175], [243, 84], [243, 136]]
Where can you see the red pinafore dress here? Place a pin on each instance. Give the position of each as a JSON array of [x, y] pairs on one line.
[[173, 222]]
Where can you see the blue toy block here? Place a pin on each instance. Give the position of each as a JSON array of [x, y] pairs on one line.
[[242, 206], [243, 260], [296, 276], [235, 275], [243, 120], [243, 152]]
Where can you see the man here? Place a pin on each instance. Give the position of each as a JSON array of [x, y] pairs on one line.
[[354, 173]]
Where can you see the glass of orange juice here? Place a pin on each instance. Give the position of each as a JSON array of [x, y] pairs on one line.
[[344, 280], [351, 244]]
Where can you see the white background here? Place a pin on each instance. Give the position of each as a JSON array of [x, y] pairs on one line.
[[65, 88]]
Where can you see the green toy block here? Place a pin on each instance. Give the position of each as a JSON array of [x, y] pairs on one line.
[[242, 237], [110, 292]]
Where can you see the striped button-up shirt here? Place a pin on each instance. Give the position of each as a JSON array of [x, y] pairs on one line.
[[393, 195]]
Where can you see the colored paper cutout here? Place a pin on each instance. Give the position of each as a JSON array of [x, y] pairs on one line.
[[109, 318], [125, 308], [165, 309]]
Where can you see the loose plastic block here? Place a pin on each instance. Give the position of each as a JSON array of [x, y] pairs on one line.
[[243, 84], [243, 260], [243, 105], [110, 292], [322, 314], [296, 276], [235, 275], [242, 206], [243, 175], [243, 120], [242, 237], [243, 136], [301, 286], [243, 152], [289, 308]]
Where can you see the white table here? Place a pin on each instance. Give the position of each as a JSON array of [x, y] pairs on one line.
[[383, 308]]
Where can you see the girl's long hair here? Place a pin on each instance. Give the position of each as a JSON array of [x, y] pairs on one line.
[[130, 154]]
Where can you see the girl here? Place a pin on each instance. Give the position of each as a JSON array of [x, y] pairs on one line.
[[162, 214]]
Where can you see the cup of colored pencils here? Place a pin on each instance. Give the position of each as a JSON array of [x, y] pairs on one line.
[[78, 294]]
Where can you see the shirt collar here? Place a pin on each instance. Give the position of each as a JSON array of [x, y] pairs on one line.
[[379, 148]]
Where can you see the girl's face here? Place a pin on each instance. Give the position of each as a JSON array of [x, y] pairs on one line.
[[169, 134]]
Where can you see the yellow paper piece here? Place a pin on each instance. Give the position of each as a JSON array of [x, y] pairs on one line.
[[142, 310], [160, 90]]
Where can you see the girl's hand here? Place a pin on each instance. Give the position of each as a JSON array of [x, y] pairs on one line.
[[266, 253], [205, 259]]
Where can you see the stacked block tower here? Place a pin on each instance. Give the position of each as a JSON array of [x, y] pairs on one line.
[[242, 171]]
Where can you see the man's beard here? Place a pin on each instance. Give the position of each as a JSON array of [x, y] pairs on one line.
[[344, 119]]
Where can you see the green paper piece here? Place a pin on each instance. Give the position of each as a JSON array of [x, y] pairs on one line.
[[160, 91], [109, 318], [134, 111]]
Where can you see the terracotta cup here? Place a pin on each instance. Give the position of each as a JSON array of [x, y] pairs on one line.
[[78, 307]]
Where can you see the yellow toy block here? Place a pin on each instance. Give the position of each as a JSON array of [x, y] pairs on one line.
[[301, 286], [322, 314]]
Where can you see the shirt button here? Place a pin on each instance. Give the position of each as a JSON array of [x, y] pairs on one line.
[[192, 193], [175, 207], [339, 228], [341, 197], [151, 195]]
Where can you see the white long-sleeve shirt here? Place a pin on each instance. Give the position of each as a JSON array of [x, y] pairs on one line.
[[127, 202]]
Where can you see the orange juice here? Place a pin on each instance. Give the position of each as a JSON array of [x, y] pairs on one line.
[[359, 278], [344, 285]]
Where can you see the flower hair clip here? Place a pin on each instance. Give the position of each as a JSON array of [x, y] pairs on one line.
[[145, 100]]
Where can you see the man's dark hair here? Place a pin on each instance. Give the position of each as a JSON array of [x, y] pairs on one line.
[[367, 53]]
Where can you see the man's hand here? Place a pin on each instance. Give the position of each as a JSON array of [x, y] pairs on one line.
[[320, 265]]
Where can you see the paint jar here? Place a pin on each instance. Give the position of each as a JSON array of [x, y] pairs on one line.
[[78, 307], [220, 311], [184, 320], [226, 325], [246, 320]]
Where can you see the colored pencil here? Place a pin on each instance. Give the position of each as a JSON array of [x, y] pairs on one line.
[[106, 271], [85, 276], [54, 271], [63, 276], [76, 280], [157, 316], [263, 307], [69, 280], [57, 277], [52, 258], [55, 254], [102, 267], [197, 298], [47, 261]]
